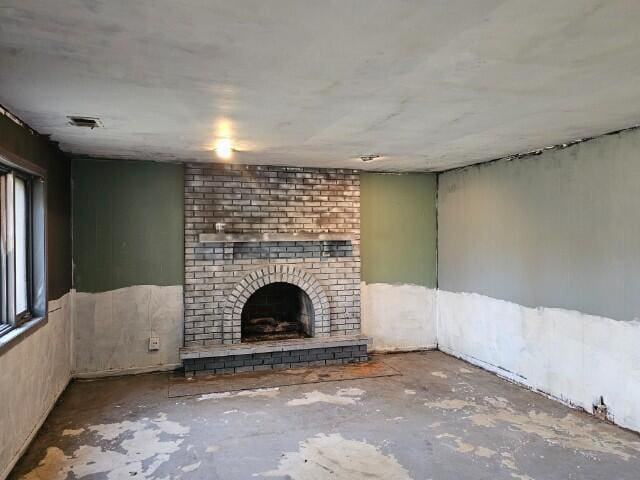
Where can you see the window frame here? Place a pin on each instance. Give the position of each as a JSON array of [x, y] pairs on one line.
[[26, 315], [15, 324]]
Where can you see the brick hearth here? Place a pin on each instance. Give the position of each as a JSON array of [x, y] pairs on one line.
[[275, 355]]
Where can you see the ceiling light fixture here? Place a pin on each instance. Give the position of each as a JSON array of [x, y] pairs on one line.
[[223, 148], [368, 158]]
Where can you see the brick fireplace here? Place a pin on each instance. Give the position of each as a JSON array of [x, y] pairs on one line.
[[272, 265]]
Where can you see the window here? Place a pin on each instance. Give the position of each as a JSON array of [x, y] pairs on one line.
[[22, 247]]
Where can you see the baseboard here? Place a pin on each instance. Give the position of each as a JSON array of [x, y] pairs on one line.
[[126, 371], [34, 431]]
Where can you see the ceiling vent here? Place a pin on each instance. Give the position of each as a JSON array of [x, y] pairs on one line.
[[87, 122]]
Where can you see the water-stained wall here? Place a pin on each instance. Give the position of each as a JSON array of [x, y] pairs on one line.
[[398, 236]]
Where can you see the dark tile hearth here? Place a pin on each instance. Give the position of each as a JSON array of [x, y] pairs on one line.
[[274, 355]]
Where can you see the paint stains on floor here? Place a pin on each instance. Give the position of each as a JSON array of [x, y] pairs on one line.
[[464, 447], [259, 392], [191, 468], [344, 396], [410, 426], [450, 404], [567, 431], [117, 450], [334, 457], [508, 463]]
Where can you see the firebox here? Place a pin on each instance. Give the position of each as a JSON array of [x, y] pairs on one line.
[[277, 311]]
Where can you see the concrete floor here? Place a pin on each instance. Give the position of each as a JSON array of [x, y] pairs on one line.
[[441, 419]]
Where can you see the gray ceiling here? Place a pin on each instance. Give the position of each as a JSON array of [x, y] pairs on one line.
[[427, 84]]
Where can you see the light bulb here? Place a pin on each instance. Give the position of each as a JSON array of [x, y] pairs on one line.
[[223, 148]]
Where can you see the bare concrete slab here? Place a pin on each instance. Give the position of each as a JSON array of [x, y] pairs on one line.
[[440, 419]]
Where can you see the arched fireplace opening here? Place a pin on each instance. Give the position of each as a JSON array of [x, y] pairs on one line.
[[277, 311]]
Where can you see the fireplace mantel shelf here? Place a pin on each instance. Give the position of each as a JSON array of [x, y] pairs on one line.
[[275, 237]]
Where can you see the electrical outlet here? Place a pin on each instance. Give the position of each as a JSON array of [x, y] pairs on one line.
[[154, 343]]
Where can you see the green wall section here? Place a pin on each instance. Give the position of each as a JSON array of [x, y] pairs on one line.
[[398, 228], [128, 224], [18, 140]]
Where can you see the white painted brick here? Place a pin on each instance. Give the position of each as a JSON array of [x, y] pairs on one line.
[[270, 199]]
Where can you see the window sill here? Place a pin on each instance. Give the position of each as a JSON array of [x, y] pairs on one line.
[[16, 335]]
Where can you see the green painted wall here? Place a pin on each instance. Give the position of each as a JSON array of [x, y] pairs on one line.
[[128, 224], [398, 228], [18, 140], [560, 229]]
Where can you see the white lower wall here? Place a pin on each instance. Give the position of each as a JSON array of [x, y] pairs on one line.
[[33, 374], [86, 335], [566, 354], [112, 330], [398, 317]]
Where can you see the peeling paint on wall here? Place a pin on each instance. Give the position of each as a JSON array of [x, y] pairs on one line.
[[399, 317], [568, 355], [112, 329]]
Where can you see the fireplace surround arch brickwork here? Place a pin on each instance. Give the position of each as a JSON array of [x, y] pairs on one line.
[[273, 274]]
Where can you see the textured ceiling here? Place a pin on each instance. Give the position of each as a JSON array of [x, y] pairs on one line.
[[427, 84]]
